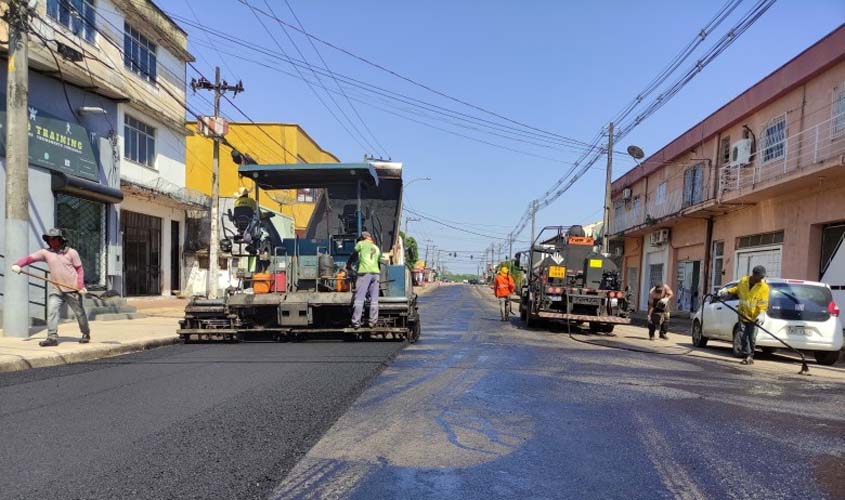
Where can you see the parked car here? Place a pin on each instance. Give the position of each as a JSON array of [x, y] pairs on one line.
[[802, 313]]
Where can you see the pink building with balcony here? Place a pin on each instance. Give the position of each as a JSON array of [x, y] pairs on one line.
[[759, 181]]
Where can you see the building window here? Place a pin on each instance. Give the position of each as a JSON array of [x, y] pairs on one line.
[[636, 204], [660, 194], [305, 195], [693, 185], [139, 141], [139, 54], [774, 140], [838, 111], [725, 151], [78, 16], [84, 224], [618, 205], [718, 262], [759, 240]]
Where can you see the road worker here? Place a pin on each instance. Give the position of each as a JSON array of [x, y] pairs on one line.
[[368, 255], [65, 269], [503, 287], [753, 292], [658, 310]]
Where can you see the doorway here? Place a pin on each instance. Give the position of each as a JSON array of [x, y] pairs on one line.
[[175, 258], [689, 276], [141, 253]]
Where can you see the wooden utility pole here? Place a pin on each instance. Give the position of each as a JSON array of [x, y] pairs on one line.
[[16, 287], [219, 88], [605, 241]]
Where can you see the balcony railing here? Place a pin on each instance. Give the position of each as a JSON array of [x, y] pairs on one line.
[[626, 219], [798, 153], [672, 203]]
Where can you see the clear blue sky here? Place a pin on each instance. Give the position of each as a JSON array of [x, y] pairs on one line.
[[561, 66]]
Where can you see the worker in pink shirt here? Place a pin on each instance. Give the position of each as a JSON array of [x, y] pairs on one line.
[[65, 269]]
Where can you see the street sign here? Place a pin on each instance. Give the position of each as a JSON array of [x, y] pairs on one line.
[[210, 126]]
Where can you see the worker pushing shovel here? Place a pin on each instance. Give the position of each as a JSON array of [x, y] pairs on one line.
[[67, 285]]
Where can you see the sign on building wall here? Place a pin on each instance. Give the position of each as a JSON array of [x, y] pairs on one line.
[[55, 144]]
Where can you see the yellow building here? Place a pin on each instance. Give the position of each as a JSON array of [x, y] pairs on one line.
[[266, 143]]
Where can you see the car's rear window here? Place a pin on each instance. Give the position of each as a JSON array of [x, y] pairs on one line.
[[793, 301]]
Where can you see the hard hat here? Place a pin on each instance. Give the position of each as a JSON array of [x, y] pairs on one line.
[[366, 234], [759, 271], [243, 191]]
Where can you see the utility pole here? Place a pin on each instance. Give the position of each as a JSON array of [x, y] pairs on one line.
[[16, 286], [219, 88], [409, 219], [605, 241]]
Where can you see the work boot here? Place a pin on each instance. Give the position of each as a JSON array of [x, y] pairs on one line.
[[664, 337], [49, 342], [651, 337], [86, 337], [750, 360]]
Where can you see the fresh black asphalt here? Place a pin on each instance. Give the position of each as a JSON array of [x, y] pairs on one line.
[[187, 421]]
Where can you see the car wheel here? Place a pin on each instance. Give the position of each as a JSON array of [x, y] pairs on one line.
[[698, 338], [826, 358], [737, 343]]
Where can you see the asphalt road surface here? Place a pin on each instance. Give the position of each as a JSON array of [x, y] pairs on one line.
[[188, 421], [477, 410], [482, 410]]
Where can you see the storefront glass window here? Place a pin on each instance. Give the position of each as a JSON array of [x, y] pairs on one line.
[[84, 224]]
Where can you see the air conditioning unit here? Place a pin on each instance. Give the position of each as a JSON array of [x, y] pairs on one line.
[[626, 194], [660, 237], [740, 153]]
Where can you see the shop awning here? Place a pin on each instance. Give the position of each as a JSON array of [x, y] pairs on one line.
[[81, 188]]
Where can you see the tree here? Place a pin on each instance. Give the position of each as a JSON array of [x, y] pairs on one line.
[[412, 254]]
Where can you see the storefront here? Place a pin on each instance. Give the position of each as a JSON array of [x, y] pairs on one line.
[[72, 171]]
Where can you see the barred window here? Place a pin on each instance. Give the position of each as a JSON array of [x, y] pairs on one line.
[[139, 54], [838, 125], [78, 16], [725, 151], [694, 185], [759, 240], [774, 140], [139, 141]]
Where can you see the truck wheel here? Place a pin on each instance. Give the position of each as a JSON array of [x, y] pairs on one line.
[[826, 358], [414, 332], [698, 338], [608, 328]]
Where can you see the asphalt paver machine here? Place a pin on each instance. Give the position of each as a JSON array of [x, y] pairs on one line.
[[299, 288]]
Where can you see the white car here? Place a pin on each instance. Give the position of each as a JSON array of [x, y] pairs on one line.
[[801, 313]]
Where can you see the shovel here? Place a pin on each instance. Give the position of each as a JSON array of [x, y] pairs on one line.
[[61, 286]]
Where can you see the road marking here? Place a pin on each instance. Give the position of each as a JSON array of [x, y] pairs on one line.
[[675, 477]]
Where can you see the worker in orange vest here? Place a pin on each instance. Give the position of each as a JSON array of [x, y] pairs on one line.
[[504, 286]]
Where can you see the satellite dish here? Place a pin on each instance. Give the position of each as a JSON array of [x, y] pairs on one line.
[[636, 152]]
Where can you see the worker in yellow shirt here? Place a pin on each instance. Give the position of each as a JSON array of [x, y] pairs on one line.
[[753, 294]]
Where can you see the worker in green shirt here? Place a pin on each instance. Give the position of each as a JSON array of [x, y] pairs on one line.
[[368, 256]]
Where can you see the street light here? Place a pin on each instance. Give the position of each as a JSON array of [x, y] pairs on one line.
[[636, 153]]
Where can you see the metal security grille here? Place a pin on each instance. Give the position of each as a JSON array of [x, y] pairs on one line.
[[84, 224], [141, 253]]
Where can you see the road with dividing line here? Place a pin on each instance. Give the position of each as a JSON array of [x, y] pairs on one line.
[[478, 409]]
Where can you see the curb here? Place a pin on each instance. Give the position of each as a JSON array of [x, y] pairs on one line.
[[99, 352]]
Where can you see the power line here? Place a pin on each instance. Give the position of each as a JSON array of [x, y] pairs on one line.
[[326, 65], [308, 82], [368, 86], [561, 186]]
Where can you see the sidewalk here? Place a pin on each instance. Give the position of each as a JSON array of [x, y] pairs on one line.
[[108, 338]]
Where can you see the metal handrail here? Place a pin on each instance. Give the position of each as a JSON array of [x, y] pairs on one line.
[[38, 286]]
